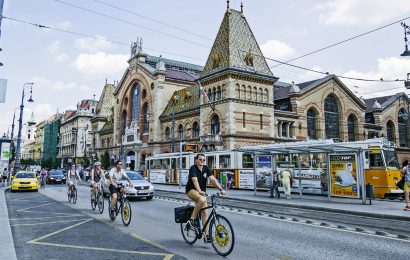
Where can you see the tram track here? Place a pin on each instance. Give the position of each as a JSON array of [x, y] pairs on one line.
[[354, 222]]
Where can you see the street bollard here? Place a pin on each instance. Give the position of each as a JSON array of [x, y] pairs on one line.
[[370, 192]]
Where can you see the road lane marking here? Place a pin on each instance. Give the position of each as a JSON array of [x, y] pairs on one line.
[[27, 198], [17, 219], [58, 231], [281, 257], [56, 213], [146, 240], [166, 256], [36, 206], [46, 223]]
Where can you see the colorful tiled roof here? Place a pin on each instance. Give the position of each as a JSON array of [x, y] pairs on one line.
[[235, 47], [188, 99]]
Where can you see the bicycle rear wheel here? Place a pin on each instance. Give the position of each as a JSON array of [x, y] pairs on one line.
[[100, 202], [188, 234], [126, 212], [222, 235], [110, 214], [74, 194], [69, 194]]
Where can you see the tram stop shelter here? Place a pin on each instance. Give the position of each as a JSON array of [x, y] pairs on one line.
[[343, 161]]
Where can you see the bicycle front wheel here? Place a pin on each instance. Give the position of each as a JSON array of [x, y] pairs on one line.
[[100, 202], [93, 203], [126, 212], [188, 234], [74, 194], [222, 235]]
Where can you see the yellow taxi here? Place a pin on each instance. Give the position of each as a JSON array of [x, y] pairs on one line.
[[24, 181]]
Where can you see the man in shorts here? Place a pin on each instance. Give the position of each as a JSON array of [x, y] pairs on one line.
[[115, 177], [196, 188]]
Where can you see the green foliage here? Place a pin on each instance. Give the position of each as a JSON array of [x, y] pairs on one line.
[[105, 160]]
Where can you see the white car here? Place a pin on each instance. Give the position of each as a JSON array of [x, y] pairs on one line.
[[141, 187]]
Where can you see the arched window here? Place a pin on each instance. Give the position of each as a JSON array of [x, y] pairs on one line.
[[255, 94], [260, 93], [243, 92], [180, 132], [215, 125], [402, 119], [209, 94], [218, 93], [213, 94], [311, 123], [167, 134], [331, 117], [195, 130], [136, 103], [145, 121], [124, 122], [390, 131], [266, 95], [351, 127], [244, 119], [249, 93], [238, 91]]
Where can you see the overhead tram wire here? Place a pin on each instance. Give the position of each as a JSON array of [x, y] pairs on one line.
[[133, 24], [93, 37], [338, 43], [153, 20]]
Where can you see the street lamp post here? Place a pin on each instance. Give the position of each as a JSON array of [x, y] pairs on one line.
[[17, 163], [406, 31]]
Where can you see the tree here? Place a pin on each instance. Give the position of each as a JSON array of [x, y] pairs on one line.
[[105, 160]]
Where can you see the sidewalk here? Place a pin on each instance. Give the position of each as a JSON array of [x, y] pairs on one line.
[[378, 209], [7, 250]]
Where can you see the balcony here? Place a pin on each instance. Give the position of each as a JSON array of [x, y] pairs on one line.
[[132, 135], [211, 139]]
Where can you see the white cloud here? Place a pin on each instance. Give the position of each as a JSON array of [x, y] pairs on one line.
[[54, 49], [58, 86], [361, 12], [389, 68], [276, 49], [93, 44], [101, 63], [64, 25]]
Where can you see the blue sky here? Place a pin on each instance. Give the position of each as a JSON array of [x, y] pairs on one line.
[[68, 68]]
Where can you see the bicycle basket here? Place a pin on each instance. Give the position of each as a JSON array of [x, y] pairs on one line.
[[183, 214]]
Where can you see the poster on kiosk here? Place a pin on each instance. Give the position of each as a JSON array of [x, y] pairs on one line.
[[343, 175]]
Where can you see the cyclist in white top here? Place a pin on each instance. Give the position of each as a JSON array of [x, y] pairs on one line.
[[115, 176], [72, 176]]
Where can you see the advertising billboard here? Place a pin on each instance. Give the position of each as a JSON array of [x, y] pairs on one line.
[[343, 175]]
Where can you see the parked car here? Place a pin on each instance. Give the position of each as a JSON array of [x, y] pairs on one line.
[[141, 187], [56, 176], [24, 181]]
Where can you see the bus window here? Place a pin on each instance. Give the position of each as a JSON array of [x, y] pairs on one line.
[[247, 160], [391, 159], [210, 162], [376, 160], [183, 162], [225, 161]]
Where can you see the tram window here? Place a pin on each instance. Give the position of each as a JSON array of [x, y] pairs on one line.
[[183, 162], [247, 160], [173, 163], [376, 160], [164, 164], [224, 161], [210, 162]]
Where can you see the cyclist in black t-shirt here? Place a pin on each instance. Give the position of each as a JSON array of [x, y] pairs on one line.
[[196, 187]]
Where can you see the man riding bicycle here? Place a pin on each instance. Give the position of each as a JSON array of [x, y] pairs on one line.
[[97, 174], [196, 188], [115, 176], [72, 176]]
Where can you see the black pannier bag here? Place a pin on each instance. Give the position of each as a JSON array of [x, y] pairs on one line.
[[183, 214]]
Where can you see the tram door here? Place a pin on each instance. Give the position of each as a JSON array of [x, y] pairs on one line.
[[211, 161], [174, 167]]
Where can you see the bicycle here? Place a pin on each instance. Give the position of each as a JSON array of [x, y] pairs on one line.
[[221, 232], [43, 183], [124, 207], [72, 193], [99, 199]]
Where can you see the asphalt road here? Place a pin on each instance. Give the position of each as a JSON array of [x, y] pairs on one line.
[[44, 228], [257, 236]]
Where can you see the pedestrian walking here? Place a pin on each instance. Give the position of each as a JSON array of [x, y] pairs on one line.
[[274, 190], [286, 179], [405, 172]]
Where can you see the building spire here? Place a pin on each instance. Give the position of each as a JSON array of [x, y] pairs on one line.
[[227, 5], [241, 8]]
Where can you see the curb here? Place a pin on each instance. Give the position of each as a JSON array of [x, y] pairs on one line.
[[316, 208], [7, 249]]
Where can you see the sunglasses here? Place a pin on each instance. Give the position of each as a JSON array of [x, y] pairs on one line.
[[202, 160]]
